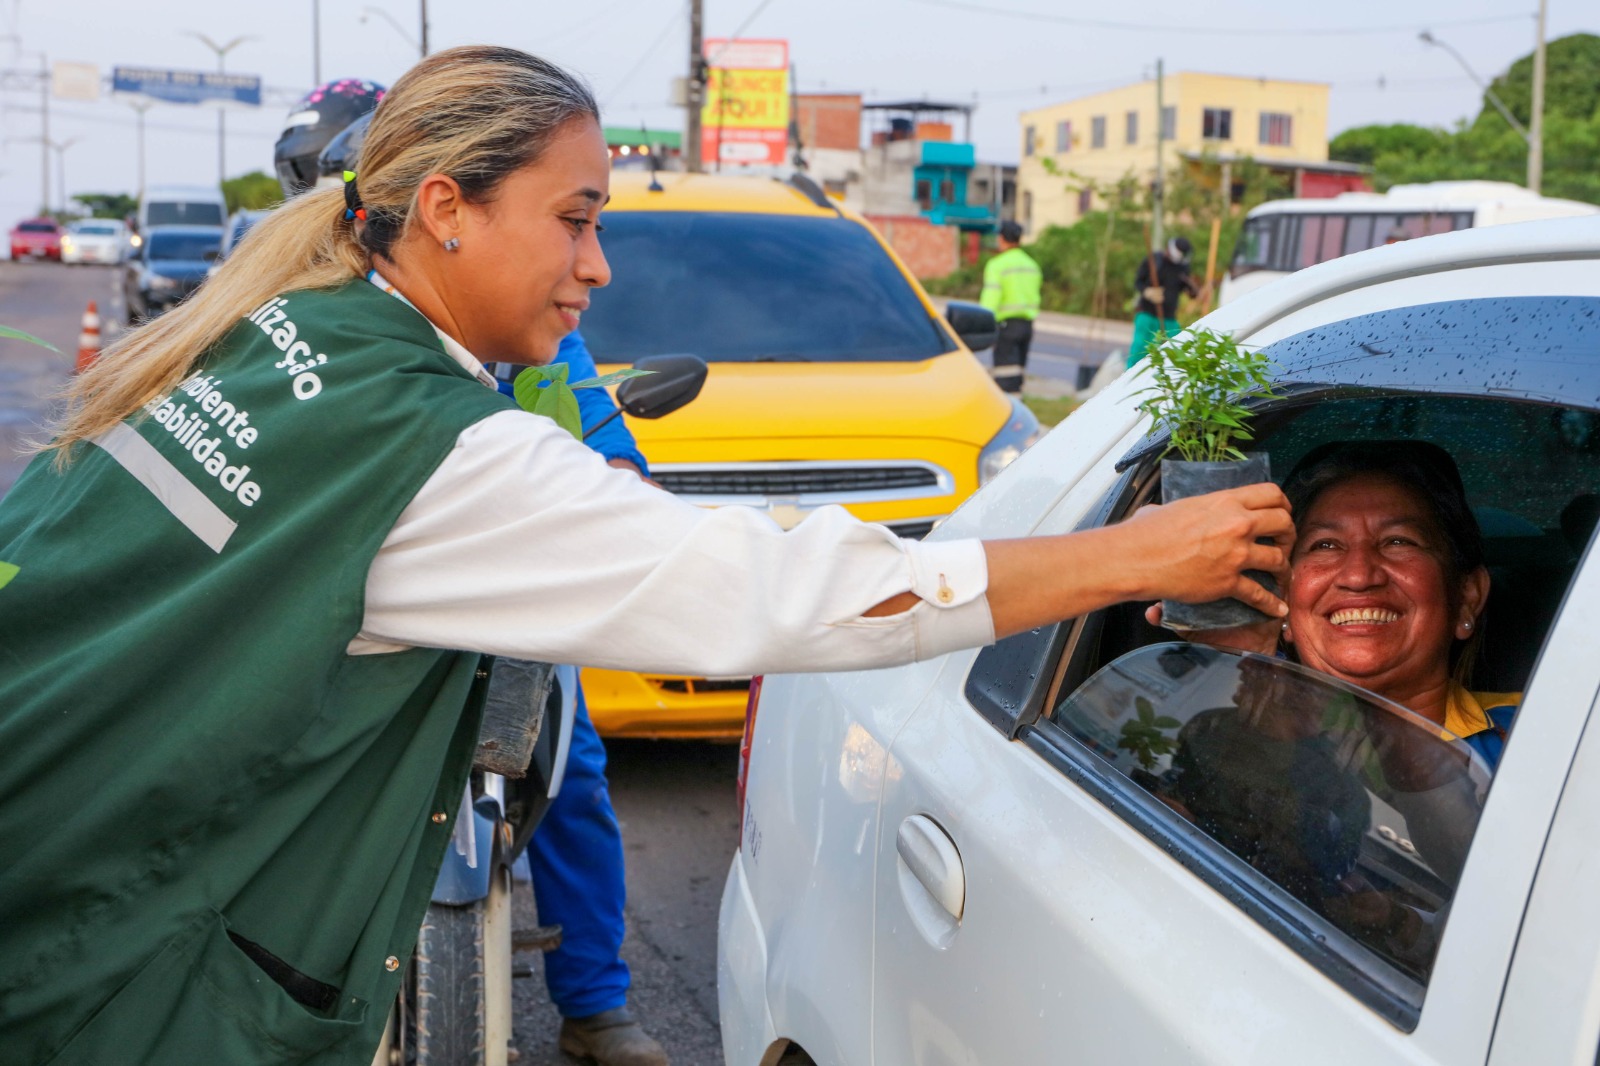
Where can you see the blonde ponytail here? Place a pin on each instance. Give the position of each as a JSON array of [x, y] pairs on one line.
[[475, 113]]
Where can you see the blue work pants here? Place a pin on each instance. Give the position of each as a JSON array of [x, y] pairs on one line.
[[578, 883]]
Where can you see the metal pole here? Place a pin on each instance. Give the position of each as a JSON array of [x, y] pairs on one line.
[[222, 127], [424, 29], [44, 133], [696, 94], [1158, 236], [316, 42], [1536, 120], [141, 109]]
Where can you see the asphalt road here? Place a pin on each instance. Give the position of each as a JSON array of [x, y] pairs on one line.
[[47, 300], [675, 800]]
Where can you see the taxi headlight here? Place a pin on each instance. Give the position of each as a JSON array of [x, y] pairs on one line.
[[1015, 437]]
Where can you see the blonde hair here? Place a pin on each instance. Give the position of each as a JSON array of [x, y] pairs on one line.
[[476, 114]]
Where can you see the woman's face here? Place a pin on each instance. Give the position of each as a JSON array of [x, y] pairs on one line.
[[1368, 596], [529, 257]]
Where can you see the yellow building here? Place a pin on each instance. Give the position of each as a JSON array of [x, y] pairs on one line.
[[1114, 133]]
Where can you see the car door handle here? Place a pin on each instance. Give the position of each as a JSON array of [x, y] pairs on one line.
[[933, 859]]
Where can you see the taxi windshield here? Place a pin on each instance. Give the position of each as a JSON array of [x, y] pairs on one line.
[[732, 287]]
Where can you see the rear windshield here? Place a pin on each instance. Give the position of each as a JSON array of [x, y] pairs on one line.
[[751, 288], [191, 246], [37, 227], [180, 213]]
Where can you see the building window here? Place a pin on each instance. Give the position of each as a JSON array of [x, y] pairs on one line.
[[1097, 132], [1028, 138], [1063, 136], [1276, 128], [1132, 136], [947, 191], [1085, 202], [1169, 123], [1027, 209], [1217, 124], [924, 193]]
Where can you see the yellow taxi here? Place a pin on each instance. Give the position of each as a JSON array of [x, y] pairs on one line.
[[833, 380]]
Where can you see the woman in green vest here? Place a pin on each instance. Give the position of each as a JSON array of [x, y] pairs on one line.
[[278, 529]]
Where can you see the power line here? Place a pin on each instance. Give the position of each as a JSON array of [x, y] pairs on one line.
[[648, 52], [1229, 31]]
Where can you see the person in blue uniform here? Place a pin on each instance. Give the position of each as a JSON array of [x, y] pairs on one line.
[[576, 853]]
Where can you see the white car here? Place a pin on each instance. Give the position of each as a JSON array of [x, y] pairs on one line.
[[95, 240], [970, 861]]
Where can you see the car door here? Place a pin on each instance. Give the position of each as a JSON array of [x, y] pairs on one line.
[[1031, 907]]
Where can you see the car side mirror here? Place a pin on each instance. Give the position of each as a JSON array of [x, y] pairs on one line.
[[974, 324], [673, 381]]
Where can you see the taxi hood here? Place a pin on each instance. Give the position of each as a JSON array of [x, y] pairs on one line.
[[948, 397]]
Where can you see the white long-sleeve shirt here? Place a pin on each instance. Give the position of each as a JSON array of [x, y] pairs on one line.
[[525, 543]]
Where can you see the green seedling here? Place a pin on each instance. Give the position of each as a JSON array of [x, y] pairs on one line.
[[1201, 380], [1145, 734], [543, 390], [12, 333]]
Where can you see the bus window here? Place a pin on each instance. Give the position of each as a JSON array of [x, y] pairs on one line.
[[1254, 250], [1332, 245], [1358, 234], [1310, 237]]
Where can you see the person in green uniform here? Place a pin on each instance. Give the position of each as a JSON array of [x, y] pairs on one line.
[[279, 529], [1011, 283]]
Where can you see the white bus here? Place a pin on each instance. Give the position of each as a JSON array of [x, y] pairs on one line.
[[1282, 236]]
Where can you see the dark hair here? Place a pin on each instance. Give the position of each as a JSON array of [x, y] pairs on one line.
[[1011, 231], [1429, 471]]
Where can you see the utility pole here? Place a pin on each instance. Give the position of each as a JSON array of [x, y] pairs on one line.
[[141, 108], [1158, 237], [316, 42], [1536, 120], [697, 88], [44, 132], [222, 51], [424, 40]]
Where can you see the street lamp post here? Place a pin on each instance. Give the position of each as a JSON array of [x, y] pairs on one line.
[[221, 51], [141, 107], [1534, 136], [60, 148]]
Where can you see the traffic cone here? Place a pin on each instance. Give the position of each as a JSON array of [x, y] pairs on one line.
[[88, 338]]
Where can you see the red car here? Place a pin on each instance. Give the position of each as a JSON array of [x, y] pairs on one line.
[[36, 237]]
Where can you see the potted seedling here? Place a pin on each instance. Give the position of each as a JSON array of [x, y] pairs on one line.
[[1200, 381]]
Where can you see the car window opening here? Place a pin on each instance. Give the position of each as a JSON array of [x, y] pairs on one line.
[[1303, 795]]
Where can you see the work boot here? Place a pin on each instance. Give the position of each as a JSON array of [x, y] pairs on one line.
[[611, 1038]]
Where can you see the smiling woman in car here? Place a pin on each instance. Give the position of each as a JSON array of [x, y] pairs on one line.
[[1388, 584]]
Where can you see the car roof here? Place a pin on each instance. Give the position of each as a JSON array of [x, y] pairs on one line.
[[630, 191], [190, 192]]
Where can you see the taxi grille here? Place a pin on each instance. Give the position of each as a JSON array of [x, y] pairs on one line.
[[798, 479]]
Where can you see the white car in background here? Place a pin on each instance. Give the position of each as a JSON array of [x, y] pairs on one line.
[[961, 861], [95, 240]]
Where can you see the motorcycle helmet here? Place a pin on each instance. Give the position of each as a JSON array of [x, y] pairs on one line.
[[315, 121], [342, 151]]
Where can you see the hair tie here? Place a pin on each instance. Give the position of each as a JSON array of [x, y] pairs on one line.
[[353, 207]]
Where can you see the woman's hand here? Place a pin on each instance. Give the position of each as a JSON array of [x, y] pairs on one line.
[[1192, 550]]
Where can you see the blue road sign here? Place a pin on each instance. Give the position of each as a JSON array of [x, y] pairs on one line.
[[188, 86]]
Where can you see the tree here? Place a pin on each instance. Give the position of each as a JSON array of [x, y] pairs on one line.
[[108, 204], [254, 191], [1488, 148]]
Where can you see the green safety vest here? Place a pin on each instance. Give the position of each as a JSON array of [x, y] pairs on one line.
[[205, 803], [1011, 282]]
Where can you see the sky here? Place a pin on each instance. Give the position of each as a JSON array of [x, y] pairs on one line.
[[1005, 57]]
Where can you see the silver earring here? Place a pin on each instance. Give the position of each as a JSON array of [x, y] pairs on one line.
[[1286, 627], [1466, 625], [453, 244]]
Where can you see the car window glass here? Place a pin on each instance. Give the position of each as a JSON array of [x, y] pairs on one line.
[[37, 227], [97, 230], [180, 213], [739, 287], [190, 246], [1352, 805]]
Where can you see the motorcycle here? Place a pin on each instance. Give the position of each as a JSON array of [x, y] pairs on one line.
[[455, 1009]]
